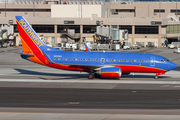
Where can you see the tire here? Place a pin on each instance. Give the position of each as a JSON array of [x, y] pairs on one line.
[[156, 77], [91, 76]]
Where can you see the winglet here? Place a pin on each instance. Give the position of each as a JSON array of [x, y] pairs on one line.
[[87, 49]]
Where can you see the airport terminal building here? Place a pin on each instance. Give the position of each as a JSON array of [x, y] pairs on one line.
[[145, 21]]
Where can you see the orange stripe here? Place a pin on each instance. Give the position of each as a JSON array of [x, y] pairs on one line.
[[28, 50]]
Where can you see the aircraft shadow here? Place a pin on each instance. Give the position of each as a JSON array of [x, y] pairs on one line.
[[74, 76], [30, 72]]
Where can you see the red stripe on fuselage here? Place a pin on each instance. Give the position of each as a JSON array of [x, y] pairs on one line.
[[140, 69]]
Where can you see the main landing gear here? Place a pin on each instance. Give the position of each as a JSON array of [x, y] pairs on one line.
[[91, 76]]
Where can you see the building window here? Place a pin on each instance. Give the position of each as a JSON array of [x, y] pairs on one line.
[[25, 10], [127, 27], [89, 28], [125, 10], [61, 28], [16, 29], [146, 30], [173, 29], [43, 28], [159, 11], [114, 13], [122, 10], [174, 10]]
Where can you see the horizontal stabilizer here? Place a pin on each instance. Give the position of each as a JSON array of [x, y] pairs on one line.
[[28, 55]]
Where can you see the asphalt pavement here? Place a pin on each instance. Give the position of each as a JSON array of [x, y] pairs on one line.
[[32, 91]]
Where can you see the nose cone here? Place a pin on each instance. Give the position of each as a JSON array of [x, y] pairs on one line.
[[172, 66]]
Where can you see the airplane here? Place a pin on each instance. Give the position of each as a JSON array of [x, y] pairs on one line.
[[97, 64]]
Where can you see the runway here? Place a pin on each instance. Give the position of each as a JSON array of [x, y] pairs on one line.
[[31, 91]]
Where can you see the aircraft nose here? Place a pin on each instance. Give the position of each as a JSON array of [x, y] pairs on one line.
[[172, 66]]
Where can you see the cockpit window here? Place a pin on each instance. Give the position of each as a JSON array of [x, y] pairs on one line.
[[164, 60]]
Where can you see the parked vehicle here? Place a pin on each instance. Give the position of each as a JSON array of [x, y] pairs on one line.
[[170, 46], [126, 48]]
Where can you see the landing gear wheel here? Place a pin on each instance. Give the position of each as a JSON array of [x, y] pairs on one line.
[[156, 77], [91, 76]]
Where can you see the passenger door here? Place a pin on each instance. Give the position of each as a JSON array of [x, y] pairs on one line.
[[152, 61]]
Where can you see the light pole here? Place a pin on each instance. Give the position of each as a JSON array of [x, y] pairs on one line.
[[81, 8], [5, 8], [159, 8], [34, 8], [176, 8]]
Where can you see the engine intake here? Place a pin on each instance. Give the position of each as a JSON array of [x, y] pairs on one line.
[[111, 72]]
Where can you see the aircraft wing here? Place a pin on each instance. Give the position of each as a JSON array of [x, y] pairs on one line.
[[91, 67]]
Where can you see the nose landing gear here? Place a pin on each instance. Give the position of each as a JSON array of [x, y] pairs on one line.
[[156, 76]]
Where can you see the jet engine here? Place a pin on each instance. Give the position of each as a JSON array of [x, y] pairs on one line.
[[111, 72]]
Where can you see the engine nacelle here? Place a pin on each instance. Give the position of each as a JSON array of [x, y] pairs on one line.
[[111, 72]]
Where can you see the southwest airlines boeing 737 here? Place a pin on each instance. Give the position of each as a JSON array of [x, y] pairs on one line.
[[104, 64]]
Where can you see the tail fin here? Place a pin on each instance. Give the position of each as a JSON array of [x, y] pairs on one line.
[[31, 43], [87, 48]]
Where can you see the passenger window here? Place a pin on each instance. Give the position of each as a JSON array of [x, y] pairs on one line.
[[54, 59], [66, 59], [107, 60], [73, 59], [137, 60], [96, 59], [142, 60], [114, 60], [63, 58], [129, 60], [58, 58], [86, 59], [134, 60], [91, 59]]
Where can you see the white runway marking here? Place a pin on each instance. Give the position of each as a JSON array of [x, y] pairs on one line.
[[92, 81]]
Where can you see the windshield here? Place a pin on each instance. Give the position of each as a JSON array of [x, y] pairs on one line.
[[164, 60]]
